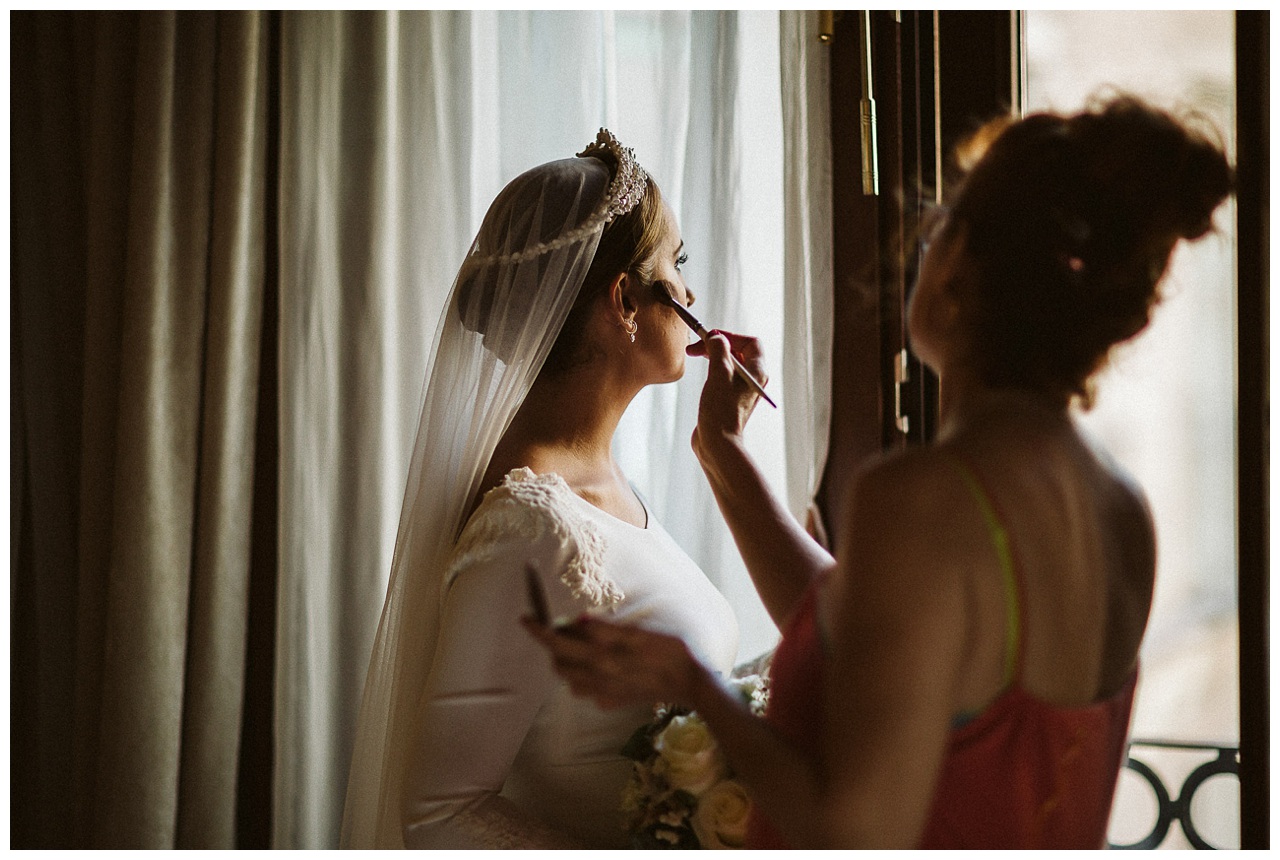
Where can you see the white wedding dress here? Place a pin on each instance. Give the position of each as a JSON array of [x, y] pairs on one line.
[[505, 756]]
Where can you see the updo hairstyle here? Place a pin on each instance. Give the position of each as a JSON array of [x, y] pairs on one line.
[[1069, 223]]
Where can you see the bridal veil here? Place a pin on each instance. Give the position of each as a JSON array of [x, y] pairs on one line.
[[509, 301]]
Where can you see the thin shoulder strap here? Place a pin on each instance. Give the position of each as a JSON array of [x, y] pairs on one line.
[[1013, 593]]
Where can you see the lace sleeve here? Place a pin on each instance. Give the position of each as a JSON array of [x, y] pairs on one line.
[[487, 684], [533, 508]]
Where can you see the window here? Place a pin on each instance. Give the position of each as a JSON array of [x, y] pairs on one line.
[[1165, 407]]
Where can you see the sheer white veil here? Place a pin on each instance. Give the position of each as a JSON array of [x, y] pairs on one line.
[[508, 303]]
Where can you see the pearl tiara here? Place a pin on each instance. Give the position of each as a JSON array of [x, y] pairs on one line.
[[624, 192], [629, 179]]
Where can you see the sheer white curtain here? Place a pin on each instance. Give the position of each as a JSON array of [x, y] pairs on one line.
[[397, 131]]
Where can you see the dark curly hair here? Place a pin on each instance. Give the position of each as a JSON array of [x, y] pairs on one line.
[[1070, 222]]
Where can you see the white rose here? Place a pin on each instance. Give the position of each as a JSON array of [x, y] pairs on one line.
[[720, 821], [753, 690], [689, 754]]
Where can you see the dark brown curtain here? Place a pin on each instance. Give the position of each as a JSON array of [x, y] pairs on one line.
[[139, 178]]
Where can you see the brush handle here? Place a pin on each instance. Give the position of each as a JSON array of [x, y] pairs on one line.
[[700, 330], [751, 380]]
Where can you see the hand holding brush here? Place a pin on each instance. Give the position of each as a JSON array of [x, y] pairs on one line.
[[666, 294]]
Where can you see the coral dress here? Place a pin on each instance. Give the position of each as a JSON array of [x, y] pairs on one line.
[[1021, 774]]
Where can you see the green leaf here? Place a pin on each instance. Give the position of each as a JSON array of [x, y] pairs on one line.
[[639, 747]]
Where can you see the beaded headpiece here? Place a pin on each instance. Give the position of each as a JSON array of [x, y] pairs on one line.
[[624, 192], [629, 179]]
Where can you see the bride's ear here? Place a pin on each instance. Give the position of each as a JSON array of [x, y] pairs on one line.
[[622, 298]]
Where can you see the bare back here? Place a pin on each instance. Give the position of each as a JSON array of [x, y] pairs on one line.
[[1083, 545]]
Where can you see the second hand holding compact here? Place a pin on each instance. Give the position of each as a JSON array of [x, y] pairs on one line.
[[667, 296]]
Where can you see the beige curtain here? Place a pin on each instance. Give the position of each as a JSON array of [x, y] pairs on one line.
[[375, 215], [810, 301], [138, 170]]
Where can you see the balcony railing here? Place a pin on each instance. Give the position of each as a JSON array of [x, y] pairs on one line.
[[1217, 761]]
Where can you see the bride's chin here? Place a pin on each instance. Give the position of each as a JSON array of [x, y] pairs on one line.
[[677, 373], [673, 373]]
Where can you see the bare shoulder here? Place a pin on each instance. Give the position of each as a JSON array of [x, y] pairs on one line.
[[1129, 497], [912, 486], [916, 534], [1125, 507], [909, 516], [1134, 532], [1125, 494], [900, 597]]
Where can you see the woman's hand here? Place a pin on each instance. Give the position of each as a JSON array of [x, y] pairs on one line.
[[617, 665], [727, 401]]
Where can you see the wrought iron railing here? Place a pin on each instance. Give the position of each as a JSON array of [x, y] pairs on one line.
[[1170, 808]]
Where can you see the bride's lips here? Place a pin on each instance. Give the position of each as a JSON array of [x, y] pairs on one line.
[[667, 295]]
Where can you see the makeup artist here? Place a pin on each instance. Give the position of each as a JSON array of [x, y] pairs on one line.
[[466, 738], [963, 675]]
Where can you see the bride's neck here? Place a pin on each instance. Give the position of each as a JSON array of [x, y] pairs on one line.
[[573, 416]]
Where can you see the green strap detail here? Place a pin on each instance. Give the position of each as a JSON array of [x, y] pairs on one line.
[[999, 537]]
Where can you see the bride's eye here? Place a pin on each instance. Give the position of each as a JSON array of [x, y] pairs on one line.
[[681, 260]]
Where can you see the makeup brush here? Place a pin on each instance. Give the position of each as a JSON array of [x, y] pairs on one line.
[[666, 294]]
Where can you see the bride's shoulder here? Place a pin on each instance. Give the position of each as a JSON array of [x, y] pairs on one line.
[[535, 515], [528, 503]]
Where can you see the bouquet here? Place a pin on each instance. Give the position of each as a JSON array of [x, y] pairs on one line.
[[682, 793]]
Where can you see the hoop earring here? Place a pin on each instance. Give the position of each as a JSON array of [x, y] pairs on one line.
[[631, 327]]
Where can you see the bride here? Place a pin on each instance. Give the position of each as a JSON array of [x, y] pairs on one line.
[[466, 738]]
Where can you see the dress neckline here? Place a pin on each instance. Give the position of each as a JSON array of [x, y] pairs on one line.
[[555, 479], [1012, 697]]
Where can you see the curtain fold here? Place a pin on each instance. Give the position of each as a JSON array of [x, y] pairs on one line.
[[47, 373], [221, 548], [375, 215], [809, 307], [156, 399], [154, 258]]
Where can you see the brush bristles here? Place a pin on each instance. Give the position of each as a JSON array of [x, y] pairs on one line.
[[666, 293]]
